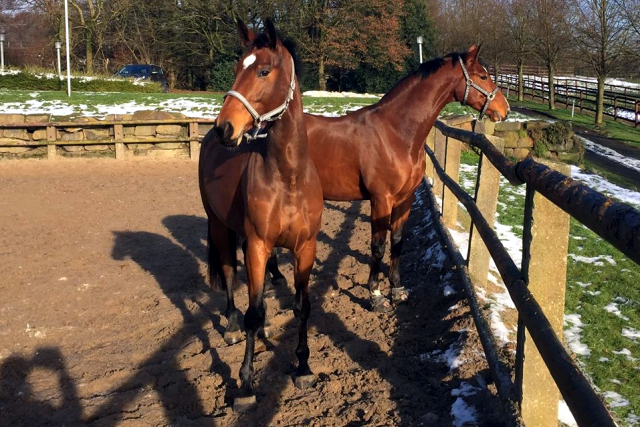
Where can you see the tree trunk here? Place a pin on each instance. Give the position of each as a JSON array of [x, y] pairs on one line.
[[552, 90], [89, 51], [520, 80], [322, 82], [600, 101], [496, 71]]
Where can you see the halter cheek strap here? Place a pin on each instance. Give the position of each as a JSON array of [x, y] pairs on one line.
[[271, 116], [471, 84]]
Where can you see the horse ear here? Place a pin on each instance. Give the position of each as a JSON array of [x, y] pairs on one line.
[[246, 34], [272, 34], [473, 53]]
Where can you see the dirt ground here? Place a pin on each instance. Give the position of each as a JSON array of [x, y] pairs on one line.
[[106, 319]]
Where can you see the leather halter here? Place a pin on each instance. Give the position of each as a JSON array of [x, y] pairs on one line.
[[271, 116], [470, 83]]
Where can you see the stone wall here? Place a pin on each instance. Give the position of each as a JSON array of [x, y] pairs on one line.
[[88, 136], [553, 140]]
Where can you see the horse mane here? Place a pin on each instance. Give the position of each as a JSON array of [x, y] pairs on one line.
[[427, 68], [262, 41]]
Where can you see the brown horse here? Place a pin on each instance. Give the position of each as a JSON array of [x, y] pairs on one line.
[[258, 183], [376, 153]]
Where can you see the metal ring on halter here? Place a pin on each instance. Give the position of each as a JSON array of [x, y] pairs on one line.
[[271, 116], [470, 83]]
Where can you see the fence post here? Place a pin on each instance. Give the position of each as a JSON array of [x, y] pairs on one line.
[[118, 135], [615, 108], [194, 144], [431, 141], [452, 168], [52, 135], [546, 242], [636, 106], [486, 197], [440, 149]]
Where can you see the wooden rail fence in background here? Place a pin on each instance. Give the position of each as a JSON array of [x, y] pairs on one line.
[[537, 286], [620, 102]]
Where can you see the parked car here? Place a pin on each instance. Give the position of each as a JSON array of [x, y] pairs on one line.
[[145, 72]]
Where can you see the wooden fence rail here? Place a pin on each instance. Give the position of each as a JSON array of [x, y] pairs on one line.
[[580, 94], [536, 287], [117, 135]]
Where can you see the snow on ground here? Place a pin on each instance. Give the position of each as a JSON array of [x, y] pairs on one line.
[[326, 94], [610, 154]]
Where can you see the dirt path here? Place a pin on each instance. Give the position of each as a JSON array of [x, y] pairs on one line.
[[105, 318]]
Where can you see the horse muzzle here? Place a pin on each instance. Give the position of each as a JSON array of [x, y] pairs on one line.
[[226, 132]]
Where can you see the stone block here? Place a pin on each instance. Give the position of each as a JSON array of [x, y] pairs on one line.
[[14, 150], [525, 142], [37, 118], [508, 126], [97, 147], [145, 130], [96, 134], [11, 118], [39, 135], [129, 130], [156, 115], [73, 148], [510, 139], [72, 136], [21, 134], [169, 145], [171, 130], [569, 156], [118, 117], [520, 153]]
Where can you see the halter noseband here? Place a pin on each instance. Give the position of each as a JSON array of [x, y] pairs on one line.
[[470, 83], [271, 116]]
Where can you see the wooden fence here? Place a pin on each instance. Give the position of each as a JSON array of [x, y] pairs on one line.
[[619, 101], [537, 286], [117, 134]]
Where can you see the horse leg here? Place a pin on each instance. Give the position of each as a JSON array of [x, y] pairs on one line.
[[399, 216], [380, 214], [273, 278], [223, 241], [255, 260], [302, 270]]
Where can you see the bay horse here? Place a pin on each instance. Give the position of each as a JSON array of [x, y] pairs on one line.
[[376, 153], [258, 183]]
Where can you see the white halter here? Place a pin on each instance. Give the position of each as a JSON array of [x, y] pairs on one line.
[[470, 83], [272, 115]]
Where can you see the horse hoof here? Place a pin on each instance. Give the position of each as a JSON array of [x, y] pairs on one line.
[[399, 295], [244, 404], [304, 381], [380, 304], [232, 337]]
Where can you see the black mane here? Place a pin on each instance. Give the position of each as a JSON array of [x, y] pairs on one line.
[[427, 68]]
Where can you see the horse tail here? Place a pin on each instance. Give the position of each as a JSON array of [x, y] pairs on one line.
[[216, 279]]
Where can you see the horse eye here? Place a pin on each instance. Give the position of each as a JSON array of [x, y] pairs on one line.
[[263, 73], [483, 77]]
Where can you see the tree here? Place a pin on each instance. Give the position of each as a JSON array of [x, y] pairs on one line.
[[518, 25], [602, 32], [550, 36], [416, 21]]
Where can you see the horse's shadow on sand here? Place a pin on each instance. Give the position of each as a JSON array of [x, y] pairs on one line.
[[175, 265]]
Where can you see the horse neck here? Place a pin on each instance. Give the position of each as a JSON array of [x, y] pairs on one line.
[[287, 148], [415, 104]]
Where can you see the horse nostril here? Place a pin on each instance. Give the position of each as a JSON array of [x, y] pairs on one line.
[[227, 130]]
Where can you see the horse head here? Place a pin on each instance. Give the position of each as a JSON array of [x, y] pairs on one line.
[[263, 87], [477, 89]]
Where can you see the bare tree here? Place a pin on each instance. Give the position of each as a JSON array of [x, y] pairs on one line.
[[519, 26], [550, 36], [602, 32]]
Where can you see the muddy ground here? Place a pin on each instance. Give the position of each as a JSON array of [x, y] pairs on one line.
[[106, 319]]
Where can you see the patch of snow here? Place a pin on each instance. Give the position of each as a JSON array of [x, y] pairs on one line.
[[327, 94], [613, 308], [597, 260], [565, 415], [632, 334], [462, 413], [615, 400], [601, 185], [572, 334]]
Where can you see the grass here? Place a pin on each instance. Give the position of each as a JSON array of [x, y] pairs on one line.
[[604, 276], [611, 128]]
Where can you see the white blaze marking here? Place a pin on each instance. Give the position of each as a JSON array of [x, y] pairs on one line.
[[248, 61]]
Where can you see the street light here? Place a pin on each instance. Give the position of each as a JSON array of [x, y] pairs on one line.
[[2, 36], [66, 36], [58, 46], [420, 40]]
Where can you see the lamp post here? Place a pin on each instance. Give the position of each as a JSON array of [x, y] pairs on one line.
[[66, 36], [58, 46], [2, 36], [420, 40]]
